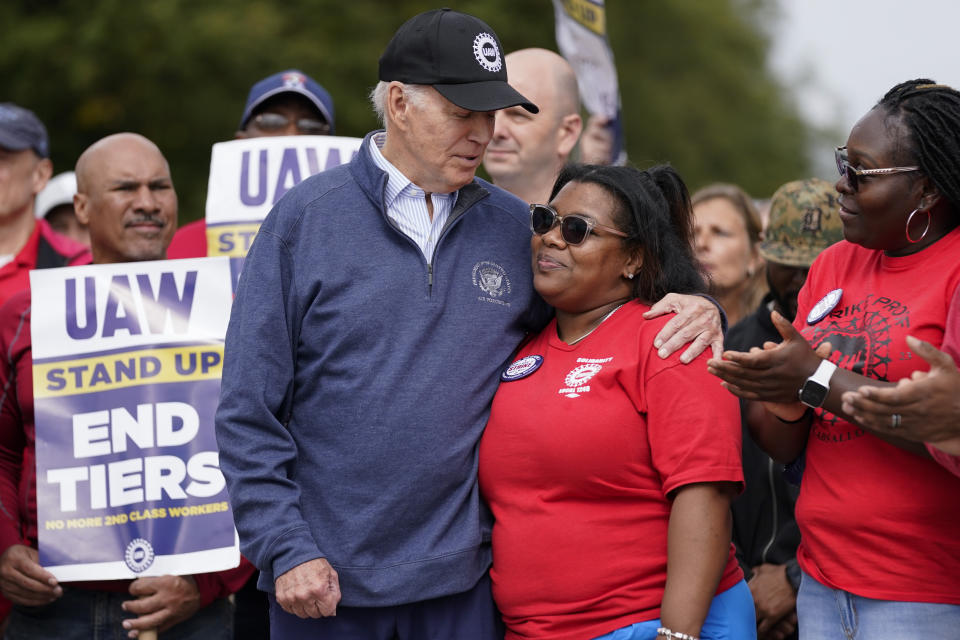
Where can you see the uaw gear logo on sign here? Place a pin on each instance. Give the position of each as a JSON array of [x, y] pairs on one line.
[[139, 555], [493, 282], [487, 53]]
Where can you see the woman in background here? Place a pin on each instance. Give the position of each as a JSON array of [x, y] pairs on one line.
[[727, 231]]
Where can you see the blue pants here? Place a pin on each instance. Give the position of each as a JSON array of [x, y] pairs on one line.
[[470, 615], [80, 614], [731, 617], [831, 614]]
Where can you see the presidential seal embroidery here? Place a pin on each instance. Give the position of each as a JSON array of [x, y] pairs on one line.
[[493, 282], [825, 306], [521, 368]]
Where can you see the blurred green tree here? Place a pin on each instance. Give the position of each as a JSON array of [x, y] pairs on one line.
[[696, 91]]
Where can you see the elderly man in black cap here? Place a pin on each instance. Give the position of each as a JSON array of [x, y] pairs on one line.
[[375, 312], [25, 168]]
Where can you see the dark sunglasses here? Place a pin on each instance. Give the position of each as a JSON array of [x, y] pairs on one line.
[[853, 175], [574, 228], [268, 121]]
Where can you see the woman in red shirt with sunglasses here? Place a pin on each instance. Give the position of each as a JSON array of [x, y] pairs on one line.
[[878, 518], [609, 469]]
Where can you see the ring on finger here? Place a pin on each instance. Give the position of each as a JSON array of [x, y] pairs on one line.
[[895, 421]]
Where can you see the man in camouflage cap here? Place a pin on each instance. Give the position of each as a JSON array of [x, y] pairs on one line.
[[804, 220]]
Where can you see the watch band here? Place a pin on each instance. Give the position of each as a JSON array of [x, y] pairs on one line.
[[814, 391], [823, 373]]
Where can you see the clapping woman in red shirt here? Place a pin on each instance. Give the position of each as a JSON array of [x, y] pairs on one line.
[[878, 518]]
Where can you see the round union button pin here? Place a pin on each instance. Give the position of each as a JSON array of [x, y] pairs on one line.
[[825, 306], [521, 368]]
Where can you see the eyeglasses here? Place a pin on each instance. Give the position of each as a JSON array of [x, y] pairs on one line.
[[853, 175], [574, 228], [269, 121]]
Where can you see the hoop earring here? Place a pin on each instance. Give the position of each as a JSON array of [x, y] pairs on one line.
[[925, 229]]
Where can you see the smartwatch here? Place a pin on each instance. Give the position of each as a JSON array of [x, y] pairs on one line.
[[814, 391]]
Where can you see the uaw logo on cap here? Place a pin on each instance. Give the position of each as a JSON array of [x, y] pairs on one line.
[[521, 368], [139, 555], [487, 53], [293, 80], [825, 306]]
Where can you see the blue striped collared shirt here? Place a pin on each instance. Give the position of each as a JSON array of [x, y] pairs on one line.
[[407, 205]]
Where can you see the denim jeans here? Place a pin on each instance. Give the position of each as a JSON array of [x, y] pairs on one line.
[[831, 614], [80, 614], [731, 617]]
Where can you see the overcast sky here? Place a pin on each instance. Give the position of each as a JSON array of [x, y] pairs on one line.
[[843, 55]]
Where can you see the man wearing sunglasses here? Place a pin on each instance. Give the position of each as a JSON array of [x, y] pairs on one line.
[[376, 310], [288, 103]]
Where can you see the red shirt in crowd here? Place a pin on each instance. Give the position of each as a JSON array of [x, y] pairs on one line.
[[875, 520], [578, 462], [190, 241], [44, 248]]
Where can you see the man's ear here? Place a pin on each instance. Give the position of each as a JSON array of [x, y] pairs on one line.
[[80, 202], [398, 106], [41, 174], [570, 128]]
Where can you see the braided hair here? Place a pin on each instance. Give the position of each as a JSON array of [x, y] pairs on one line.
[[930, 113], [653, 209]]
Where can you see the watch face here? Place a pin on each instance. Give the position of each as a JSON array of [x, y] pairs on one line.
[[813, 394]]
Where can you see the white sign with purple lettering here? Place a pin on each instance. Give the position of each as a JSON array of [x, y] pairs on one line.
[[248, 177]]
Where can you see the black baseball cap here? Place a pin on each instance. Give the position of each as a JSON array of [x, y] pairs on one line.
[[21, 129], [455, 53]]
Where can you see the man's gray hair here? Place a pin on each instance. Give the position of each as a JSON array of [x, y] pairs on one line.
[[416, 94]]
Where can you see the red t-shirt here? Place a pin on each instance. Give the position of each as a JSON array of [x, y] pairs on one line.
[[15, 275], [190, 241], [576, 463], [951, 345], [876, 520]]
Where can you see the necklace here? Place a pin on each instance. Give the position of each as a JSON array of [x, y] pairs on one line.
[[609, 313]]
